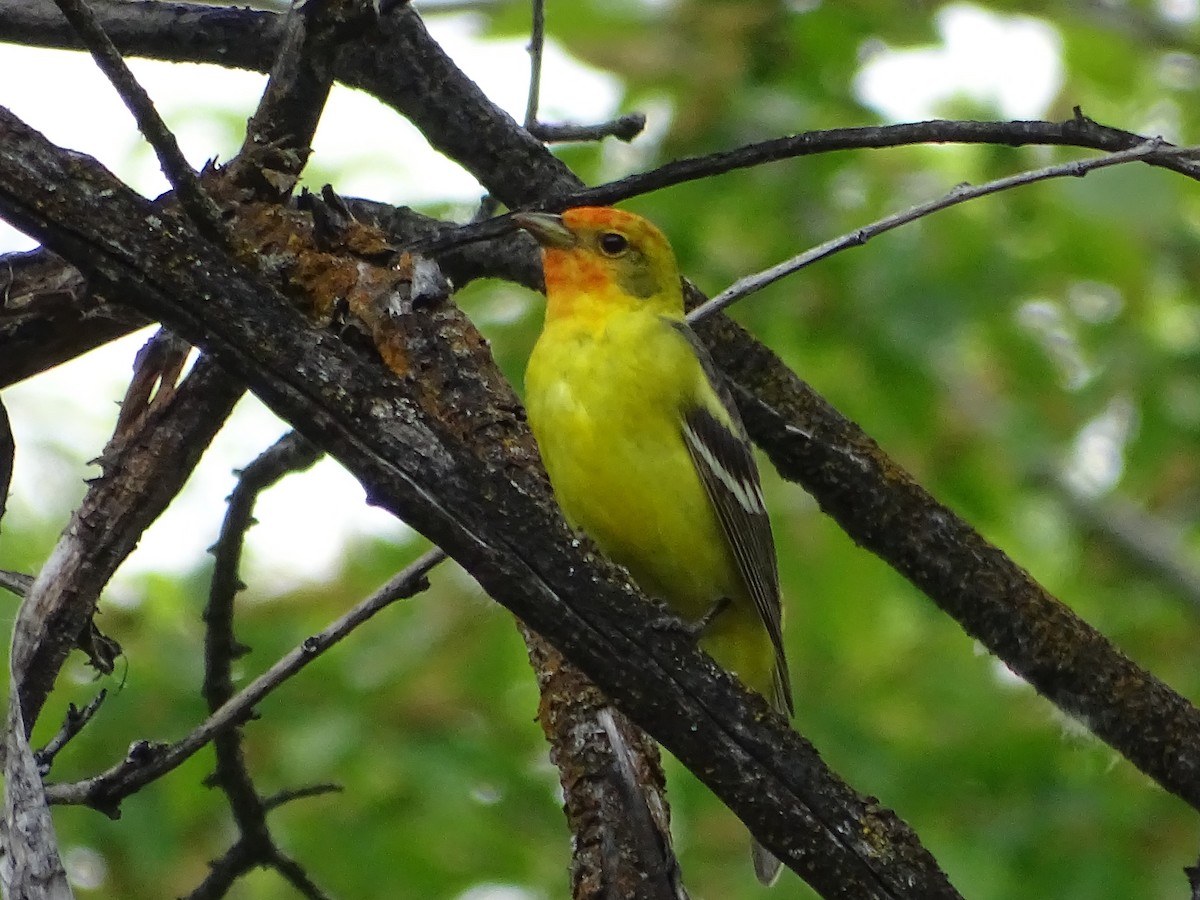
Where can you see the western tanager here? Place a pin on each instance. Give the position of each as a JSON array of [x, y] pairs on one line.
[[644, 447]]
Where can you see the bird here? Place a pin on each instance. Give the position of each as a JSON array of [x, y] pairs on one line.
[[645, 449]]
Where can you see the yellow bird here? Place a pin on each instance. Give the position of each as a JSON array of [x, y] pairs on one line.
[[644, 447]]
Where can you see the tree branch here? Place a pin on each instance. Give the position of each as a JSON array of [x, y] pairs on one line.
[[143, 469], [52, 316], [30, 866], [537, 44], [626, 128], [74, 722], [192, 32], [447, 469], [614, 795], [995, 601]]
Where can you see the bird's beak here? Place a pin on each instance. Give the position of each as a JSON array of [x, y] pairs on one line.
[[546, 228]]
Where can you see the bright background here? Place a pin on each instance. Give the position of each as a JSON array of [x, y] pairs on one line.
[[1032, 358]]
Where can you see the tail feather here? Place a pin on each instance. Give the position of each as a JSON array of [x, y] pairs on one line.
[[766, 866]]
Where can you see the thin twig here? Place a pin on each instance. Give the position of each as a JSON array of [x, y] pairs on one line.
[[1151, 150], [291, 453], [287, 796], [253, 850], [73, 723], [192, 196], [295, 875], [743, 287], [1078, 131], [624, 128], [106, 790], [537, 42]]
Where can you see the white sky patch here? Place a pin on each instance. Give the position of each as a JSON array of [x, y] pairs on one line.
[[1097, 458], [306, 522], [570, 90], [1179, 12], [62, 418], [1011, 62]]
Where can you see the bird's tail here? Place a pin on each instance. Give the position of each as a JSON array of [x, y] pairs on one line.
[[766, 864]]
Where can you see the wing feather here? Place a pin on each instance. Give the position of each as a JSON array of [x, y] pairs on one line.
[[722, 456]]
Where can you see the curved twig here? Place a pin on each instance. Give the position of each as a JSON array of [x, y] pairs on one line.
[[255, 845], [1151, 151], [106, 790]]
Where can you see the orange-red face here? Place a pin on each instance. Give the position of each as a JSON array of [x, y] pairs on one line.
[[597, 251]]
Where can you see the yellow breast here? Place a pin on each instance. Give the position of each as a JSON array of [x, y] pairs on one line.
[[609, 430]]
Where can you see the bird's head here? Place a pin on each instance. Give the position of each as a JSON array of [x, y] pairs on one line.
[[607, 256]]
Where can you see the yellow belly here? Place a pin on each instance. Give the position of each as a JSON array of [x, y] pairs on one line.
[[610, 437]]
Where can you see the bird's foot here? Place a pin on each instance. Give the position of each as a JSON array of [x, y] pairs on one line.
[[694, 629]]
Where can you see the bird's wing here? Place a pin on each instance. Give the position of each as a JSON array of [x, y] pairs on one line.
[[722, 456]]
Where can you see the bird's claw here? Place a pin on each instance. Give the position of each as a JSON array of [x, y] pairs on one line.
[[694, 629]]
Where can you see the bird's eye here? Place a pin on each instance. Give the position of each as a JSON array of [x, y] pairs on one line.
[[613, 244]]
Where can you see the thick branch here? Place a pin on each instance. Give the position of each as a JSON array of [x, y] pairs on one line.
[[302, 72], [47, 315], [459, 482], [181, 33], [613, 791], [997, 602], [144, 469], [398, 62], [30, 867]]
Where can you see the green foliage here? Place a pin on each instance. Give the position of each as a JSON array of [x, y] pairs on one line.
[[979, 347]]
